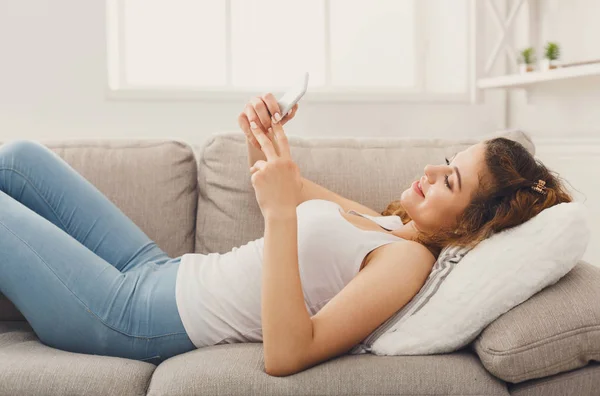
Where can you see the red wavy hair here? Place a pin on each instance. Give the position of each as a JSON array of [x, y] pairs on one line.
[[504, 199]]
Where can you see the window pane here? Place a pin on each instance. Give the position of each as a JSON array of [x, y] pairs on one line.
[[175, 42], [372, 43], [275, 41], [447, 51]]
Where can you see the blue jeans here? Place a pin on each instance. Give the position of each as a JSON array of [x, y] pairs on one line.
[[85, 277]]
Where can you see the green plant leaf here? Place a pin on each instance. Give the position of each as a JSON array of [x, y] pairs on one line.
[[552, 51], [527, 55]]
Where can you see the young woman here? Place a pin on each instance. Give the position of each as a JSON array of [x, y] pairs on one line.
[[327, 272]]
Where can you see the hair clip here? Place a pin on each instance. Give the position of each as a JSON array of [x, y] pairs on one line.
[[539, 187]]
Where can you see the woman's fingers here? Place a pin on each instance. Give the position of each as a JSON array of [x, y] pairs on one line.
[[258, 165], [282, 140], [266, 107], [290, 114], [261, 110], [272, 106], [245, 125], [265, 144], [293, 110], [255, 122]]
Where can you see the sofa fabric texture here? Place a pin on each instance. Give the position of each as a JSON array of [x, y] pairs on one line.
[[556, 330], [241, 366], [585, 381], [28, 367], [198, 198]]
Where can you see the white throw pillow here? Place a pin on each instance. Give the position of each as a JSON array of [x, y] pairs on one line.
[[498, 274]]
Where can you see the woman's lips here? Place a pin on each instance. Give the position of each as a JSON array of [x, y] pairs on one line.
[[415, 187]]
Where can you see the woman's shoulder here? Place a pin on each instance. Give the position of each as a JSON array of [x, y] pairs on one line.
[[409, 249]]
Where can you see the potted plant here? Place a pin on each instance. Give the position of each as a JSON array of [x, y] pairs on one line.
[[527, 59], [551, 55]]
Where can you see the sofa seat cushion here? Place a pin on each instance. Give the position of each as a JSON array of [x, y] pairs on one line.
[[581, 382], [238, 369], [152, 181], [556, 330], [371, 171], [28, 367]]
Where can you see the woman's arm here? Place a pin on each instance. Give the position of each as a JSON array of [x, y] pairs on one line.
[[293, 340], [286, 324], [310, 189]]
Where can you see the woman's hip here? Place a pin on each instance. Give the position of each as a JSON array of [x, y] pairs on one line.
[[144, 315], [145, 305]]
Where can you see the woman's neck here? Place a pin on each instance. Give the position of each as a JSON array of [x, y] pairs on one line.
[[409, 232]]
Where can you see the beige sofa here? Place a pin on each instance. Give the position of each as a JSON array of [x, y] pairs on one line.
[[198, 198]]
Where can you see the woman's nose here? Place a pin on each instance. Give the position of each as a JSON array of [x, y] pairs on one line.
[[429, 174], [432, 171]]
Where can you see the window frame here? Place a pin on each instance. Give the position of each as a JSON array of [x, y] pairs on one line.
[[118, 89]]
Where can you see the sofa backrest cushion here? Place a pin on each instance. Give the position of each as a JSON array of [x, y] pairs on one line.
[[371, 171], [154, 182]]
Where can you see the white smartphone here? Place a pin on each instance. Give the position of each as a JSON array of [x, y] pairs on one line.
[[293, 95]]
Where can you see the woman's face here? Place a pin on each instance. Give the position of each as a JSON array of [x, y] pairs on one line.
[[441, 204]]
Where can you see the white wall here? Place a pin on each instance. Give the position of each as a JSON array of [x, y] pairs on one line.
[[563, 116], [568, 107], [53, 79]]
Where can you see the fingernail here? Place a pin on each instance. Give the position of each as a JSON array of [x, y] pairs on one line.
[[253, 125], [270, 130], [277, 117]]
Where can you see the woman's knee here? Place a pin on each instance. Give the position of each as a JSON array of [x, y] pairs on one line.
[[20, 148], [17, 156]]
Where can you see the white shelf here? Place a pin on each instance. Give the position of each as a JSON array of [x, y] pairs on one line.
[[536, 77]]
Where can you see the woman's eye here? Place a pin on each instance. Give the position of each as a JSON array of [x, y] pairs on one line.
[[446, 177]]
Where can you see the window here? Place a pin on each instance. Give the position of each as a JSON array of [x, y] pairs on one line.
[[408, 49]]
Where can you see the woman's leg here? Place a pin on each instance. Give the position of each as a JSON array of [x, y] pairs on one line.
[[78, 302], [57, 235], [37, 177]]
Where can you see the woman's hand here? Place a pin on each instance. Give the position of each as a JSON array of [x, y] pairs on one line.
[[277, 182], [259, 110]]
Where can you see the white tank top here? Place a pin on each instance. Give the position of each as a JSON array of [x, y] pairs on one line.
[[219, 295]]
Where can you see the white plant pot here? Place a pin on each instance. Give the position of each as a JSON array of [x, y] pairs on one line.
[[544, 64], [524, 68]]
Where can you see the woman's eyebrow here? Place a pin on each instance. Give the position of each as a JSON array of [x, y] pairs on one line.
[[459, 180]]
